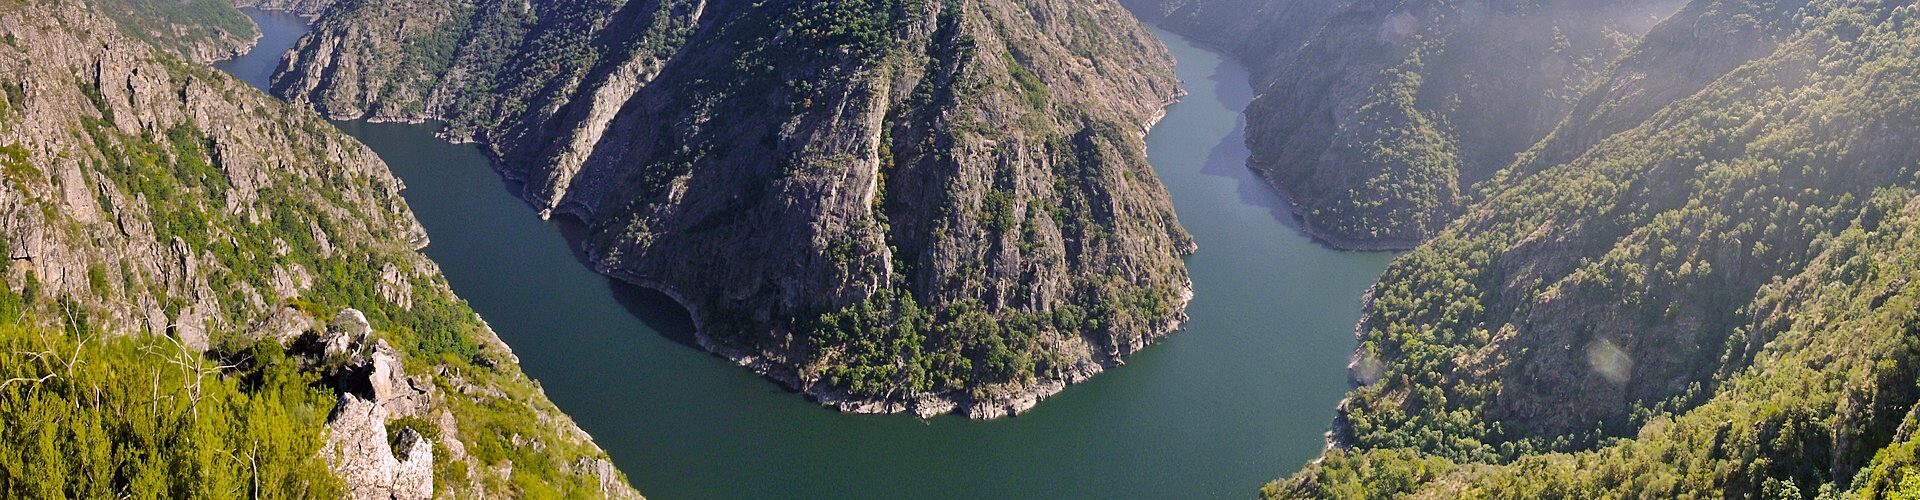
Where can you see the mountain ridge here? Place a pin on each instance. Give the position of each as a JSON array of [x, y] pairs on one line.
[[934, 253]]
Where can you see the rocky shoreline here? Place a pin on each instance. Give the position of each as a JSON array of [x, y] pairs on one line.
[[923, 406], [370, 462], [1142, 250], [1359, 370]]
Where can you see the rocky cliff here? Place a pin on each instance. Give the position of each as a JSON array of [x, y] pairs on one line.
[[1376, 117], [1697, 285], [152, 200], [889, 204]]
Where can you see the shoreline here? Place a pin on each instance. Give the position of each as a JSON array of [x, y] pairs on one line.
[[1306, 227], [925, 406], [769, 365]]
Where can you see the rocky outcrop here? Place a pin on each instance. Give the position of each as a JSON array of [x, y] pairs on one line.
[[375, 390], [878, 202], [359, 450], [141, 194]]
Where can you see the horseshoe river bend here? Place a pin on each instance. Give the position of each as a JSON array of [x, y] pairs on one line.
[[1241, 396]]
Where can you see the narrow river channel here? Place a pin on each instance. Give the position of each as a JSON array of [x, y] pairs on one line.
[[1240, 397]]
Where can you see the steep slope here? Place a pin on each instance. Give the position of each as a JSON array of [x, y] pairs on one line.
[[1712, 301], [1377, 116], [308, 8], [202, 31], [1265, 34], [890, 204], [247, 277]]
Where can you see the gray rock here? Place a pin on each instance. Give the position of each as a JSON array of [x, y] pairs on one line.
[[358, 451], [283, 326], [413, 477], [345, 333], [758, 210]]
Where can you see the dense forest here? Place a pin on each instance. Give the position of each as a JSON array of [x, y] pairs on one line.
[[1696, 285], [92, 415]]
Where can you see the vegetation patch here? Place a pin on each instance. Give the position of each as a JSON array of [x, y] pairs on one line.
[[90, 415]]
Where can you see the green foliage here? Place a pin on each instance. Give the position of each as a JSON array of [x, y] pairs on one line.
[[13, 99], [1405, 184], [889, 347], [109, 417], [511, 429], [97, 279], [259, 418], [14, 165], [1748, 247], [1029, 84], [862, 29], [998, 210], [179, 25], [1343, 474]]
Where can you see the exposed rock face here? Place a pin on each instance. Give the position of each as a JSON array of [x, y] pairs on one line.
[[879, 202], [283, 326], [1264, 33], [1376, 117], [374, 390], [372, 369], [359, 451], [141, 194]]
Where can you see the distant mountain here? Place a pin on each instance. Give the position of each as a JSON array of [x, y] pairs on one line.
[[1376, 117]]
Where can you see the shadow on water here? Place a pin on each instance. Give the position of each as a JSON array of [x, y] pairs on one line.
[[656, 310], [651, 307], [1229, 158]]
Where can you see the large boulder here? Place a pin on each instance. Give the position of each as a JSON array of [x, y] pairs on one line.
[[358, 451]]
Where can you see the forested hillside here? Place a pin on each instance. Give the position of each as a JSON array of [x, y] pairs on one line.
[[199, 30], [1697, 286], [209, 293], [893, 205], [1376, 117]]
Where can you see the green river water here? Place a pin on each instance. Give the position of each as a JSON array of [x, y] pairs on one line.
[[1241, 396]]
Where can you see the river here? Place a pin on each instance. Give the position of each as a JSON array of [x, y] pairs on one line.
[[1240, 397]]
